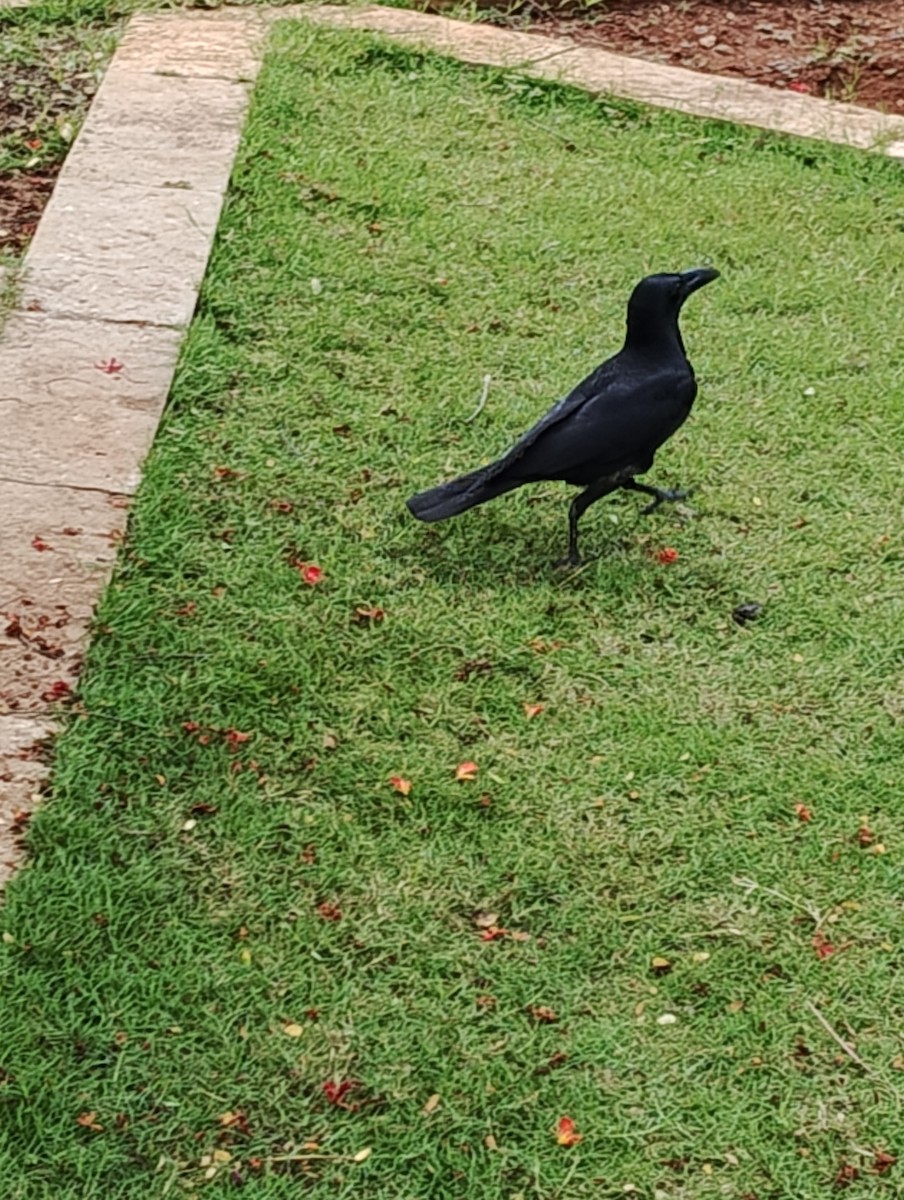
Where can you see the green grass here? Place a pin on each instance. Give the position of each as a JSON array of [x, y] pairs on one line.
[[398, 227]]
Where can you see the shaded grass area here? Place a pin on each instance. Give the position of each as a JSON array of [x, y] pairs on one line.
[[230, 906]]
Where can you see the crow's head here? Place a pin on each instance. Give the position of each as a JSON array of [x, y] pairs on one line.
[[658, 298]]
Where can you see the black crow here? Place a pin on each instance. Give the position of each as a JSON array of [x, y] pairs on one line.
[[606, 431]]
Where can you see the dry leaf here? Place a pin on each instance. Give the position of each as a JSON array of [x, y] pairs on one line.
[[490, 1142], [532, 710], [432, 1104], [364, 615], [362, 1155], [803, 813], [292, 1030], [401, 785], [484, 920], [88, 1120], [882, 1161], [221, 1156], [543, 1014], [493, 932], [466, 771], [660, 966]]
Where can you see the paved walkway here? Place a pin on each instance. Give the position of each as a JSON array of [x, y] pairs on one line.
[[111, 281], [86, 361]]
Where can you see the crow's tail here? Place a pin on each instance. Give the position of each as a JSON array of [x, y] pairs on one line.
[[458, 495]]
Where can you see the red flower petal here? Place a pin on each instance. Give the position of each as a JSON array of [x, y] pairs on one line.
[[310, 573], [566, 1132]]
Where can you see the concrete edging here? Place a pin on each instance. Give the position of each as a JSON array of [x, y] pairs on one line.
[[111, 281]]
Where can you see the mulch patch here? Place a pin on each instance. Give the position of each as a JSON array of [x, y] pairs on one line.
[[22, 199], [849, 50]]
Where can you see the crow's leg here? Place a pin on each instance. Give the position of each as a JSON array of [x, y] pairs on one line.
[[579, 505], [660, 495]]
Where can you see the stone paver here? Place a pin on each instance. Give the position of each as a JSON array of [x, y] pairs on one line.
[[182, 154], [483, 45], [139, 256], [80, 400], [86, 361], [196, 45], [651, 83], [22, 772], [59, 545]]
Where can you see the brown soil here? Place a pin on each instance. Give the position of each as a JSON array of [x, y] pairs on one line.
[[840, 49], [44, 93], [22, 199]]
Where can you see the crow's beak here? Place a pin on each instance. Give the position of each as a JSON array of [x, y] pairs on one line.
[[698, 278]]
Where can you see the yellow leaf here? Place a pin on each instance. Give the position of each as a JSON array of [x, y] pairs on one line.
[[292, 1030], [707, 1168], [245, 955], [221, 1156], [735, 1006], [432, 1104], [700, 956], [466, 771], [363, 1154]]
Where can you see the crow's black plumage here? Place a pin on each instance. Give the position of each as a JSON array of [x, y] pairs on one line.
[[606, 431]]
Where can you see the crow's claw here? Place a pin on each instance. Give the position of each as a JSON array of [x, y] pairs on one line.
[[665, 497]]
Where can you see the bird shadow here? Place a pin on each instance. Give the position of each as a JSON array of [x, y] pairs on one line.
[[489, 550]]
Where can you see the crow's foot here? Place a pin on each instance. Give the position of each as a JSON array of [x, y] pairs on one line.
[[663, 496]]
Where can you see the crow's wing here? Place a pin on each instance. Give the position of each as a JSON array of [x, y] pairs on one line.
[[615, 418]]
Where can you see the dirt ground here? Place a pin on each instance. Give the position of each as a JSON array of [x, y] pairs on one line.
[[22, 199], [849, 50]]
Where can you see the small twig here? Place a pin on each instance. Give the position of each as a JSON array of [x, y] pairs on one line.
[[563, 137], [845, 1046], [807, 906], [487, 380]]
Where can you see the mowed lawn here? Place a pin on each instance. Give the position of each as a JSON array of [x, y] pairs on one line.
[[241, 957]]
